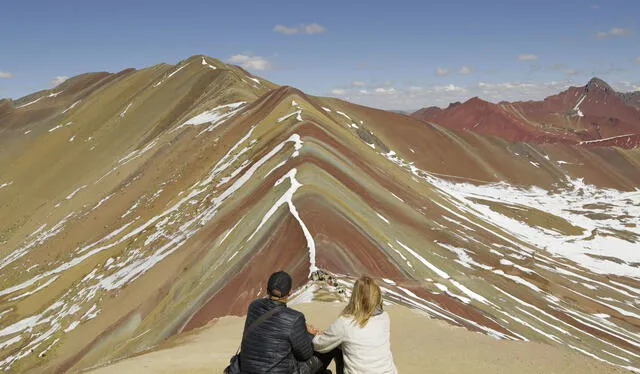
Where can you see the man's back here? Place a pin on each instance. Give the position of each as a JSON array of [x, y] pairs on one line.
[[277, 343]]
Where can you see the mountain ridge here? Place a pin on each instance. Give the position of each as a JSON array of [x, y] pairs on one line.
[[584, 115]]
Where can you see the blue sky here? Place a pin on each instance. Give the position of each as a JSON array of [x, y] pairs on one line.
[[393, 55]]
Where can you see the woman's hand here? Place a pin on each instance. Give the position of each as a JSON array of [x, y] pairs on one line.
[[313, 330]]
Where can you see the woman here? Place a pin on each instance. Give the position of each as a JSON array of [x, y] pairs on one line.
[[362, 330]]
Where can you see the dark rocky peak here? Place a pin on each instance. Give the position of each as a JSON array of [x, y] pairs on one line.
[[597, 84]]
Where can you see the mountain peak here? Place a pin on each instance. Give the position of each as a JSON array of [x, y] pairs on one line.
[[5, 106], [596, 83], [200, 57], [477, 101]]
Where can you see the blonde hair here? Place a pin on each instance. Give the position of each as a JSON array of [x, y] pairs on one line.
[[366, 297]]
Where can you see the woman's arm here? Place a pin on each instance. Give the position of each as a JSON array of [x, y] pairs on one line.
[[330, 338]]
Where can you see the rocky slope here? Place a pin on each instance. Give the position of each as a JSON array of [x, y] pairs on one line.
[[594, 114], [145, 203]]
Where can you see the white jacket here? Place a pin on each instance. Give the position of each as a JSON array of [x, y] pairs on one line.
[[366, 350]]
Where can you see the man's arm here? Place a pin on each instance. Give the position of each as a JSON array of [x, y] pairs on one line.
[[250, 317], [301, 344]]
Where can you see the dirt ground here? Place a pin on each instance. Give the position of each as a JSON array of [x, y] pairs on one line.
[[419, 345]]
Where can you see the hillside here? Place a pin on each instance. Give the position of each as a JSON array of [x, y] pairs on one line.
[[594, 114], [143, 204]]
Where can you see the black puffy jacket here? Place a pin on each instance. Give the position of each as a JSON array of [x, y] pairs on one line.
[[275, 345]]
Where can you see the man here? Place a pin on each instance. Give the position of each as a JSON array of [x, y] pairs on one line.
[[280, 343]]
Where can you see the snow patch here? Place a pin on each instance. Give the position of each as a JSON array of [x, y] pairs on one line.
[[344, 115], [296, 113], [124, 112], [433, 268], [30, 103], [60, 126], [71, 107], [605, 139], [287, 198], [215, 116], [72, 194], [205, 63], [382, 217], [577, 107]]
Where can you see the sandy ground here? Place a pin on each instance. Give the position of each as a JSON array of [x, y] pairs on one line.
[[419, 345]]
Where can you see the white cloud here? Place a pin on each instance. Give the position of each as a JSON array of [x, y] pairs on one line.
[[560, 67], [5, 74], [615, 31], [626, 86], [571, 72], [358, 83], [386, 91], [58, 80], [314, 28], [527, 57], [311, 28], [504, 85], [441, 72], [339, 91], [285, 30], [250, 62], [449, 88]]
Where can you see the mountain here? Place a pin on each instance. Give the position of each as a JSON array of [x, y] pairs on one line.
[[143, 204], [594, 114], [631, 98]]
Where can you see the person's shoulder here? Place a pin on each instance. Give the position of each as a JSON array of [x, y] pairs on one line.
[[343, 320], [293, 314], [258, 304], [384, 317], [291, 317]]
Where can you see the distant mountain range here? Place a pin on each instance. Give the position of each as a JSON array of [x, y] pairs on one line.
[[594, 114]]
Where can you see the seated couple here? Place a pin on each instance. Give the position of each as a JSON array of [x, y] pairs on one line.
[[281, 341]]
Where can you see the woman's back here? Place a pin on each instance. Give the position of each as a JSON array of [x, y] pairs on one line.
[[366, 349]]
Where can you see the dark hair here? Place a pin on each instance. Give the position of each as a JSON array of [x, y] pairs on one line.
[[279, 284]]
